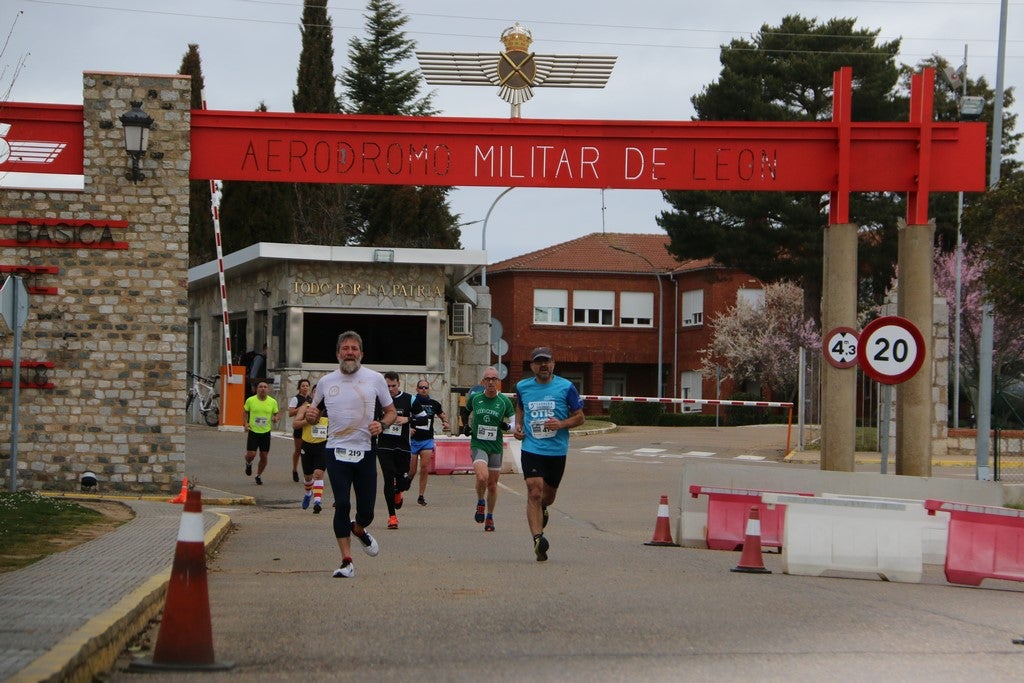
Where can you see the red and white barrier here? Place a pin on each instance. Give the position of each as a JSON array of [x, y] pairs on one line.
[[452, 456], [681, 401], [729, 510], [934, 528], [881, 537], [985, 542]]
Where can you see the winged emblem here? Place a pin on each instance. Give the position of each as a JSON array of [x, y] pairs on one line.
[[516, 71], [27, 151]]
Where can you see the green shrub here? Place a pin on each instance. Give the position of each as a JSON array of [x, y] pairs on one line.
[[636, 413], [686, 420], [735, 416]]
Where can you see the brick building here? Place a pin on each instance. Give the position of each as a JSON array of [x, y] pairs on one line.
[[602, 300]]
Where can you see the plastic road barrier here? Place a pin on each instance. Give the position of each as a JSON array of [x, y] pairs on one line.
[[934, 533], [985, 542], [882, 537], [728, 511]]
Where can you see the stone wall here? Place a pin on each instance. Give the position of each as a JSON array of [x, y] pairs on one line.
[[115, 331], [963, 443]]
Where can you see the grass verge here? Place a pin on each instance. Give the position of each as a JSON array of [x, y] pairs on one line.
[[34, 526]]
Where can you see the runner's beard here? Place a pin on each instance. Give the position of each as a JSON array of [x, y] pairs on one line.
[[350, 366]]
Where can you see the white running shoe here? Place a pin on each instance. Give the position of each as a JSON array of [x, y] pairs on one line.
[[346, 571], [370, 546]]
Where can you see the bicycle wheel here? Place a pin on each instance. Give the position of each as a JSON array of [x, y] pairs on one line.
[[212, 413]]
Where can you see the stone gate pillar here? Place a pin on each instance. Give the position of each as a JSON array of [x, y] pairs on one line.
[[839, 385], [914, 402]]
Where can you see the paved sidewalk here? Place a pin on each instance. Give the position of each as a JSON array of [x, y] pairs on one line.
[[69, 615]]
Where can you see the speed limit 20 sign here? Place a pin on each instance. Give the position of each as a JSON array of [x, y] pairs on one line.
[[891, 350]]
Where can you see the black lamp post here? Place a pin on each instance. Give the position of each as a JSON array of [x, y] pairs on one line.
[[136, 125]]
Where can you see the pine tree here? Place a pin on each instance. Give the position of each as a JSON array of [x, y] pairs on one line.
[[319, 209], [376, 83], [201, 246], [785, 74]]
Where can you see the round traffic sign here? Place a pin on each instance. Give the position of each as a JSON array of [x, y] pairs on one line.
[[840, 347], [500, 347], [891, 349], [496, 330]]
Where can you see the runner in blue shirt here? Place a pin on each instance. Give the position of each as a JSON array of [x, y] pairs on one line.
[[547, 406]]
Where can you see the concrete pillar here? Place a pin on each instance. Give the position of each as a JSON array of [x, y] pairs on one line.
[[839, 386], [914, 405]]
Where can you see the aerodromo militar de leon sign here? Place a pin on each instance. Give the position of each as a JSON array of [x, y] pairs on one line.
[[763, 156]]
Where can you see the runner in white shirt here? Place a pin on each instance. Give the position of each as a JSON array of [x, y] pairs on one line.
[[350, 394]]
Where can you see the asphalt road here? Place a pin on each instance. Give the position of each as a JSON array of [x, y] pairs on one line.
[[446, 601]]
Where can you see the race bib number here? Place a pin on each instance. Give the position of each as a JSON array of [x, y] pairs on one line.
[[347, 455], [539, 431], [261, 422], [393, 430], [319, 431], [486, 433]]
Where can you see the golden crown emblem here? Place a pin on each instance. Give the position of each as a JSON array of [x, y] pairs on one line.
[[517, 38]]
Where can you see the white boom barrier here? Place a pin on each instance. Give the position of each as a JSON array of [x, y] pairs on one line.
[[696, 401], [689, 401]]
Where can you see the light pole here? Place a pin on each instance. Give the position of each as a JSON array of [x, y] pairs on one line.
[[483, 234], [984, 409], [661, 308], [960, 74]]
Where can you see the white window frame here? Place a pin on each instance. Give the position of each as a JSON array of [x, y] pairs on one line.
[[752, 297], [593, 308], [549, 306], [693, 308], [636, 309]]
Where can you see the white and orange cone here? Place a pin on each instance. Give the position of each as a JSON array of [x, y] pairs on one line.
[[662, 530], [751, 561], [183, 494], [185, 638]]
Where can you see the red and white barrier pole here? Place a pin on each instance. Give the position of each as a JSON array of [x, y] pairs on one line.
[[215, 211]]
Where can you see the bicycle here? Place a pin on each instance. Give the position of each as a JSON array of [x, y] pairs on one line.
[[203, 388]]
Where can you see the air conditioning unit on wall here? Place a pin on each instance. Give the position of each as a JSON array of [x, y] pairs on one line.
[[460, 321]]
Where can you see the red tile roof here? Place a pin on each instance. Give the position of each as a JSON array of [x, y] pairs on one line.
[[602, 252]]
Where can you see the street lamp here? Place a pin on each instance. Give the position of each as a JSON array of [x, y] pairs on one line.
[[136, 125], [661, 308]]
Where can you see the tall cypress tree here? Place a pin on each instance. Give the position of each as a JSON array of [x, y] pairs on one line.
[[377, 83], [201, 247], [319, 209]]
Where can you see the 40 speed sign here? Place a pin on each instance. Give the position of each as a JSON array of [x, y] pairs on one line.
[[891, 350]]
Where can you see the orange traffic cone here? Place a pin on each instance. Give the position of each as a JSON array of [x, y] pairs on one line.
[[751, 561], [180, 498], [185, 639], [662, 532]]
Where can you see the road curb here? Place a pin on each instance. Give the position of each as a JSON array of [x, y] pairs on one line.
[[94, 647]]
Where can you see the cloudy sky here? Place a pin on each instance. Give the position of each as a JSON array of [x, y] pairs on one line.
[[667, 51]]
